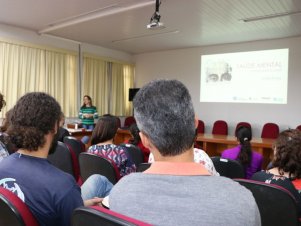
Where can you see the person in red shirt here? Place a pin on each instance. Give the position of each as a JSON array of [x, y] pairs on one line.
[[136, 140]]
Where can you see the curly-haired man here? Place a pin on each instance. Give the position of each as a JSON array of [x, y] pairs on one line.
[[50, 193]]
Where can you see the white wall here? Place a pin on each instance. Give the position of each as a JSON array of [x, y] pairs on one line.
[[184, 65]]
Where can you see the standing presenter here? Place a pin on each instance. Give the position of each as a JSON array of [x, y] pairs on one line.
[[88, 113]]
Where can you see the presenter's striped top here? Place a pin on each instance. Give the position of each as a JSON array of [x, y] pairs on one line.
[[88, 110]]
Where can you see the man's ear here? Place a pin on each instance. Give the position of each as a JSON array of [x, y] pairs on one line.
[[196, 122], [145, 140], [56, 127]]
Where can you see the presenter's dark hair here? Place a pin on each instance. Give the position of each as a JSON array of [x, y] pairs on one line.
[[89, 98], [164, 113], [244, 135], [34, 115]]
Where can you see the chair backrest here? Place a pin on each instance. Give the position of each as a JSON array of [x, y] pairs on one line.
[[13, 211], [76, 145], [134, 153], [228, 167], [276, 205], [118, 121], [245, 124], [220, 127], [143, 166], [201, 127], [298, 127], [270, 130], [94, 164], [96, 215], [62, 158], [129, 121]]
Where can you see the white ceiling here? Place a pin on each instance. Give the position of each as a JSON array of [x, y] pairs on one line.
[[189, 23]]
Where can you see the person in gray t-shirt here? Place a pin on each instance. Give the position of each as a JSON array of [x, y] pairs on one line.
[[175, 190]]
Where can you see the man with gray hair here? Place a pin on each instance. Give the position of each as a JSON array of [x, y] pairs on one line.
[[175, 190]]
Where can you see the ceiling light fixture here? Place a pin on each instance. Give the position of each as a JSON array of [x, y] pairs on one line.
[[147, 35], [271, 16], [155, 23], [95, 14]]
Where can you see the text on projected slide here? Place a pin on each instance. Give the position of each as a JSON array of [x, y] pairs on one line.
[[245, 77]]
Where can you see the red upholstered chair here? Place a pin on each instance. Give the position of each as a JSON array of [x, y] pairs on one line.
[[13, 211], [201, 127], [220, 127], [118, 122], [298, 127], [75, 147], [96, 215], [270, 130], [62, 158], [277, 206], [129, 121], [245, 124]]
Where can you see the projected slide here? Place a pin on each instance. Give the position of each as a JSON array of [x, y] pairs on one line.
[[245, 77]]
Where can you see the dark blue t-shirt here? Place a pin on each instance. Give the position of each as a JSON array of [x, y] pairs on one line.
[[50, 193]]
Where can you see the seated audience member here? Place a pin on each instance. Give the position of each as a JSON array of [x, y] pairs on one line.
[[137, 141], [251, 160], [286, 171], [4, 138], [199, 156], [3, 150], [62, 131], [102, 144], [175, 190], [50, 193]]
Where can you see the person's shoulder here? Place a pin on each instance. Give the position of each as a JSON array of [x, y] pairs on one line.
[[257, 155], [132, 180], [261, 175]]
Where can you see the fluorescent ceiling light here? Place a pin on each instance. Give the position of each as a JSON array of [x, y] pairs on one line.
[[147, 35], [105, 11], [271, 16]]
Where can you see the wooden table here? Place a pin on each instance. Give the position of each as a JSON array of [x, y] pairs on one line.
[[121, 135], [79, 133], [215, 144]]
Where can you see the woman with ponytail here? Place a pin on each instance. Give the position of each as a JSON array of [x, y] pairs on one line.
[[250, 160]]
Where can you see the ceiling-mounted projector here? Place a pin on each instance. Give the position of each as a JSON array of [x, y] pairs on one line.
[[155, 23], [155, 26]]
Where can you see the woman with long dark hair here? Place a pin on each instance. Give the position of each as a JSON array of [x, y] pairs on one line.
[[103, 145], [251, 161]]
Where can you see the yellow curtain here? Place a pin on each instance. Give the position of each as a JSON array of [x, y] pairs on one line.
[[27, 69], [129, 75], [122, 80], [61, 80], [117, 94], [22, 70], [95, 83]]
